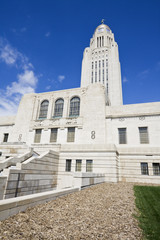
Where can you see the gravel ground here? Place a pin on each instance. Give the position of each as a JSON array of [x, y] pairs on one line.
[[104, 211]]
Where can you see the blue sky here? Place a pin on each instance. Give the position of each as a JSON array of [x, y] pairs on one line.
[[42, 43]]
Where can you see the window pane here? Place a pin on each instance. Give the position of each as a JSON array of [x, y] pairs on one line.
[[5, 139], [53, 137], [74, 107], [156, 168], [37, 138], [68, 165], [71, 134], [58, 110], [122, 135], [143, 132], [89, 165], [144, 169], [78, 165], [43, 109]]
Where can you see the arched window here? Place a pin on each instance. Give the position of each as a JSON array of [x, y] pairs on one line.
[[58, 109], [43, 109], [74, 107]]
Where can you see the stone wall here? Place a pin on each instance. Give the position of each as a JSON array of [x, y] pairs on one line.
[[37, 174], [130, 160], [9, 207], [3, 181], [12, 161], [104, 159], [13, 149]]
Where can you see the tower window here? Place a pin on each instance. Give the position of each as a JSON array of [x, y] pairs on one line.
[[74, 107], [95, 76], [58, 109], [107, 87], [122, 135], [92, 77], [43, 109], [103, 76], [99, 70]]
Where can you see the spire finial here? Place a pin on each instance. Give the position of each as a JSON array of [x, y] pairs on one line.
[[102, 21]]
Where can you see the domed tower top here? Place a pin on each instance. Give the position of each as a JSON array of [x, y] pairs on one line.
[[103, 27], [102, 36]]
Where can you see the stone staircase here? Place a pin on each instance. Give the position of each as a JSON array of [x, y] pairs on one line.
[[28, 174]]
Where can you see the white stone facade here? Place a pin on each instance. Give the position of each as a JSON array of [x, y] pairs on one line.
[[118, 142]]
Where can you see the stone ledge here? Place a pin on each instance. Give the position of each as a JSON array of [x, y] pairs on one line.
[[9, 207]]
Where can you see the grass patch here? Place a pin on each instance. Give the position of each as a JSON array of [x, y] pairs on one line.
[[148, 203]]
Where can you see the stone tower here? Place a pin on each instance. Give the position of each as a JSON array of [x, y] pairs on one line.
[[100, 64]]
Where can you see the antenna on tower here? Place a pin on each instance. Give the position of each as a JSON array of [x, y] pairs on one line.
[[102, 21]]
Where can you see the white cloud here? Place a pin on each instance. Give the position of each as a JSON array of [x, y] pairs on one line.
[[19, 31], [48, 87], [26, 80], [47, 34], [11, 56], [28, 77], [8, 54], [125, 79], [24, 29], [26, 83], [61, 78], [8, 106], [143, 74]]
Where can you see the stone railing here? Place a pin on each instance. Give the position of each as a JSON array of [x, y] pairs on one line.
[[12, 161], [36, 174]]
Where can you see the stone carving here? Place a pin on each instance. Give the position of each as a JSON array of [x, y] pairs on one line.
[[20, 137], [141, 118], [68, 122], [121, 119], [93, 134]]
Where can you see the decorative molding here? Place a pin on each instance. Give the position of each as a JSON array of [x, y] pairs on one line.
[[121, 119], [142, 118]]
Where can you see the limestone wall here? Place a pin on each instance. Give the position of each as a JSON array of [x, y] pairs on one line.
[[13, 149], [3, 181], [37, 174], [105, 162], [132, 117], [6, 126], [12, 161], [88, 179], [130, 165]]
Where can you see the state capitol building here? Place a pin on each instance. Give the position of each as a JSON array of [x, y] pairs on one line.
[[82, 136]]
